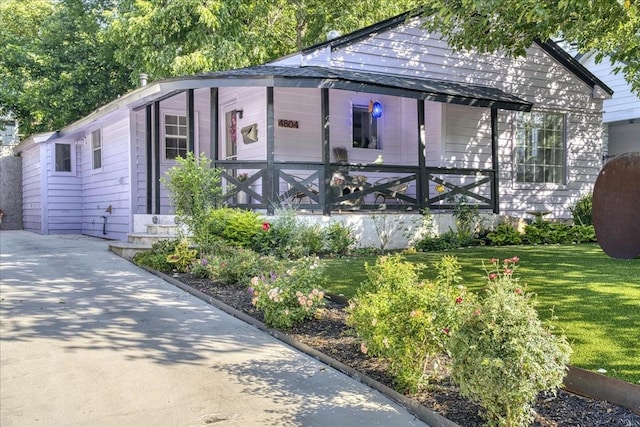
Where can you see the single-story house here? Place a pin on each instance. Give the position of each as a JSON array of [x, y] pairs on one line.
[[385, 120], [621, 112]]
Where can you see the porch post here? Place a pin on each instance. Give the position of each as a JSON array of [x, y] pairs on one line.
[[326, 144], [271, 178], [149, 154], [213, 127], [494, 161], [190, 121], [422, 183], [156, 157]]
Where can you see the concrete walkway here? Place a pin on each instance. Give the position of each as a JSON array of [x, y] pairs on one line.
[[88, 339]]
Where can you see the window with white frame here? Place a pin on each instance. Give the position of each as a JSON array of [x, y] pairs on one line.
[[63, 157], [540, 148], [96, 149], [175, 136], [365, 128]]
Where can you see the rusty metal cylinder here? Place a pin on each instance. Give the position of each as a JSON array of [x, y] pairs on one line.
[[616, 207]]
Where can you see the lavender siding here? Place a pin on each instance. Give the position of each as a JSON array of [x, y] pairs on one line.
[[460, 136], [174, 105], [32, 189], [63, 195], [108, 186]]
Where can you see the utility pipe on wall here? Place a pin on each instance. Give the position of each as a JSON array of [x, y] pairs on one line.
[[104, 224]]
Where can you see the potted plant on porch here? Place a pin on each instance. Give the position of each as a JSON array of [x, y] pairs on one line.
[[340, 154]]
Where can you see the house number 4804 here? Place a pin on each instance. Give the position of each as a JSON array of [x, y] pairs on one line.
[[288, 124]]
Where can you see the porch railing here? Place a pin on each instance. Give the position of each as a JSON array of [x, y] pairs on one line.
[[342, 187]]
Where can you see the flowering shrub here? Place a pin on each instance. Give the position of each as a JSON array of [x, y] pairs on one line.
[[408, 321], [289, 298], [288, 236], [503, 356]]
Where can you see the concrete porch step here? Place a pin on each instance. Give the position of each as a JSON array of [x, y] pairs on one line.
[[163, 229], [148, 239], [127, 250]]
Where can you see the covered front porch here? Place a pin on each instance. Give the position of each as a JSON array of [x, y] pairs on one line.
[[278, 133], [340, 187]]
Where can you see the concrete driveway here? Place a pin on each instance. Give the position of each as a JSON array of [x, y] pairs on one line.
[[88, 339]]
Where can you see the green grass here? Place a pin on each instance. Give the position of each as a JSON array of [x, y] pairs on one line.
[[595, 299]]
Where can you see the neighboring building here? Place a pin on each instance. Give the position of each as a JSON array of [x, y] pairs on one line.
[[621, 112], [10, 176], [8, 131], [387, 119]]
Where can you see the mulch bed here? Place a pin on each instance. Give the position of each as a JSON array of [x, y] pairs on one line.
[[330, 335]]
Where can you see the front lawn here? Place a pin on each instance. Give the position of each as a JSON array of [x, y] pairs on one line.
[[596, 299]]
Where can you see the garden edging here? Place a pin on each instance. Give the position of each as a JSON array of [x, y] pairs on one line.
[[578, 381], [428, 416]]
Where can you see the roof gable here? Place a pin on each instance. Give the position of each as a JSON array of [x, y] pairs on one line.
[[549, 46]]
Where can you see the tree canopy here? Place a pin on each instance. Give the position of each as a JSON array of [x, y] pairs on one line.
[[610, 28], [62, 59], [55, 64]]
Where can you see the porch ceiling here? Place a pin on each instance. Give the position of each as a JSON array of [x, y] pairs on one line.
[[362, 81]]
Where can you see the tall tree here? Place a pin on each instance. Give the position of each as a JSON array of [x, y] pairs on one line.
[[611, 28], [169, 38], [57, 65]]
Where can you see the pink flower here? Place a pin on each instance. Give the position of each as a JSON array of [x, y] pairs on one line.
[[265, 226], [459, 300], [519, 291], [515, 259], [493, 276], [363, 347], [446, 331], [494, 260], [508, 271]]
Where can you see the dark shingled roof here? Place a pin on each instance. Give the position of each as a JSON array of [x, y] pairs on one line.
[[379, 83]]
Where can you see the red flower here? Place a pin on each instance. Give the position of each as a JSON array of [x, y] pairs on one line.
[[446, 331], [265, 226], [459, 300]]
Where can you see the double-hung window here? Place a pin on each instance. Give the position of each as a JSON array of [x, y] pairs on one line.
[[540, 148], [175, 136], [96, 149]]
